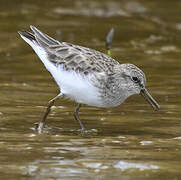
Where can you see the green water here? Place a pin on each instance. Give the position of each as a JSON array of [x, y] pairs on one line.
[[130, 141]]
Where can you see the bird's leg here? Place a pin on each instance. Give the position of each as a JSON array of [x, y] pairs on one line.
[[50, 104], [76, 111]]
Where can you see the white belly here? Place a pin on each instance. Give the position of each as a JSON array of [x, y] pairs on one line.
[[78, 87], [72, 84]]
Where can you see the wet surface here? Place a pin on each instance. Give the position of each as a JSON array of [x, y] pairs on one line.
[[130, 141]]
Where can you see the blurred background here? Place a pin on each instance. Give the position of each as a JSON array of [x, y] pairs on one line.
[[130, 141]]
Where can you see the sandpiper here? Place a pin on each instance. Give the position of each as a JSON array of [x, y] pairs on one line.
[[85, 75]]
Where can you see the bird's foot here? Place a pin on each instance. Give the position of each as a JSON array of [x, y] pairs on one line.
[[39, 127], [85, 132]]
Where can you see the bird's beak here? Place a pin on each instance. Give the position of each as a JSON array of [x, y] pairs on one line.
[[149, 99]]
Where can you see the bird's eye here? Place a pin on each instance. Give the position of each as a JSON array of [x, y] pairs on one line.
[[135, 79]]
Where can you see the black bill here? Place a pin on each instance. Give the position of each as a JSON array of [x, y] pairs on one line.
[[149, 99]]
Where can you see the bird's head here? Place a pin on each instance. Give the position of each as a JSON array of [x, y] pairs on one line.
[[133, 81]]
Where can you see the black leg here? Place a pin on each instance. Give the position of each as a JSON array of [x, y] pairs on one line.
[[76, 115], [50, 104]]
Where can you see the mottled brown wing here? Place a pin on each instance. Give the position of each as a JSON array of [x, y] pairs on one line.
[[74, 57]]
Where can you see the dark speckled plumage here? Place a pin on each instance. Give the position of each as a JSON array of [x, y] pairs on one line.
[[86, 75], [73, 57]]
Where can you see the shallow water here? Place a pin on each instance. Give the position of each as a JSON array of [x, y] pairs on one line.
[[127, 142]]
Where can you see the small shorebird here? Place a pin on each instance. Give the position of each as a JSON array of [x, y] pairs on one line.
[[86, 75]]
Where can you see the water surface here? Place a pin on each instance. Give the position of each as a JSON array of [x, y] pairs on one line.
[[130, 141]]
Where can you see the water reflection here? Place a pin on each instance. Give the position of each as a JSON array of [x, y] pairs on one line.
[[126, 165]]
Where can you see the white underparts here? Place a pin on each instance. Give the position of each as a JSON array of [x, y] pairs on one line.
[[74, 85]]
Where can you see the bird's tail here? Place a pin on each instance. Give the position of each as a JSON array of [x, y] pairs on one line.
[[38, 38]]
